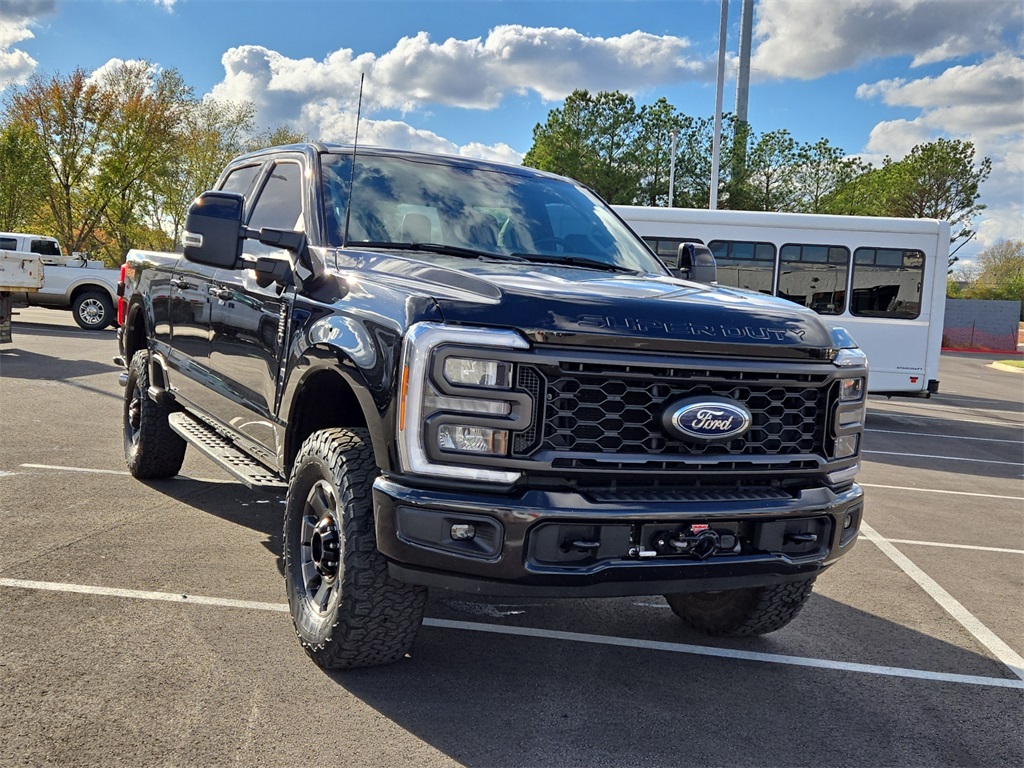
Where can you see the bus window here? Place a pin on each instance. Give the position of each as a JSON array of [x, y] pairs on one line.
[[887, 282], [667, 248], [815, 276], [745, 265]]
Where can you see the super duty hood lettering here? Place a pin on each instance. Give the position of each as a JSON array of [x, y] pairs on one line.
[[694, 330]]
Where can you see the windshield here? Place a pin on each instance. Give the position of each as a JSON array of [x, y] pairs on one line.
[[400, 201]]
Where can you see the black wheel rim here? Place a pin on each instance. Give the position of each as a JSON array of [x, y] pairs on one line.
[[320, 547], [133, 415]]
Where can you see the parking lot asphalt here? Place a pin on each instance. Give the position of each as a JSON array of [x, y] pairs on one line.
[[144, 623]]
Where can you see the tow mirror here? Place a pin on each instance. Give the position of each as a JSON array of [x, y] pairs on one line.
[[213, 229], [696, 262]]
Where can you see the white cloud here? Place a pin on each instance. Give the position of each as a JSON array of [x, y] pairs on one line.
[[17, 17], [472, 74], [320, 97], [980, 103], [806, 40]]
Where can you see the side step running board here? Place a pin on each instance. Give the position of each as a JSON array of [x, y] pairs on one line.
[[241, 465]]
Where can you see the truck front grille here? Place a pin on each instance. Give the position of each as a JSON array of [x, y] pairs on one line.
[[601, 411]]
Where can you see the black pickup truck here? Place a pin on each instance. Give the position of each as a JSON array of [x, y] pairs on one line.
[[476, 377]]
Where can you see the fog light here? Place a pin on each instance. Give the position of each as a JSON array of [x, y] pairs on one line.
[[847, 522], [463, 531], [467, 439], [846, 445]]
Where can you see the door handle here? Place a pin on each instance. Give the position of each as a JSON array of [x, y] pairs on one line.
[[221, 293], [182, 284]]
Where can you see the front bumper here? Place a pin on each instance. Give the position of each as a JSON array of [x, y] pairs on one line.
[[566, 544]]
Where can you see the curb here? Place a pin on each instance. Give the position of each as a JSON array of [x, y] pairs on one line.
[[1003, 367], [984, 351]]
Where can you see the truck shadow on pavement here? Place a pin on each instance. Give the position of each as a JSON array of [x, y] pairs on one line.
[[22, 364], [487, 699], [232, 502]]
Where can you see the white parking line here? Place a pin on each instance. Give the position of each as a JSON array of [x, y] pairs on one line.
[[123, 473], [550, 634], [956, 546], [75, 469], [947, 437], [950, 458], [948, 603], [939, 490]]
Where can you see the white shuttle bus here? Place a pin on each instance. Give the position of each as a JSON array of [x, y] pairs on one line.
[[882, 279]]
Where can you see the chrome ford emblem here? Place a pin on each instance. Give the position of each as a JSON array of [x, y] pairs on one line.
[[707, 418]]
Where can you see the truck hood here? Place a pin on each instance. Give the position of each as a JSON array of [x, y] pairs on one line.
[[550, 304]]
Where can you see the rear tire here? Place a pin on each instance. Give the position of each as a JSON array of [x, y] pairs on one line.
[[151, 448], [348, 612], [93, 310], [742, 612]]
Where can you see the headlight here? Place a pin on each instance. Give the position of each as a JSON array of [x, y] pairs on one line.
[[473, 372], [456, 401], [851, 389]]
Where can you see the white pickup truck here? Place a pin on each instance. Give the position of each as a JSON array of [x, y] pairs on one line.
[[86, 287]]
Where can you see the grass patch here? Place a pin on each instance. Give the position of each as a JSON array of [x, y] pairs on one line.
[[1013, 363]]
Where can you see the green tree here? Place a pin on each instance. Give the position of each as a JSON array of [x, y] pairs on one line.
[[997, 273], [276, 137], [140, 150], [652, 151], [938, 180], [106, 142], [771, 172], [614, 174], [822, 171], [210, 134], [592, 139], [68, 117], [23, 178], [562, 144]]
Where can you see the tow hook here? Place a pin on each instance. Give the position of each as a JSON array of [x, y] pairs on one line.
[[700, 542]]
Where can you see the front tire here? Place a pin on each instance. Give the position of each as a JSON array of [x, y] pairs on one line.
[[151, 448], [347, 611], [742, 612], [93, 310]]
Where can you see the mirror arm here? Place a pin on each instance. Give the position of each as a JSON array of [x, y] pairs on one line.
[[302, 268]]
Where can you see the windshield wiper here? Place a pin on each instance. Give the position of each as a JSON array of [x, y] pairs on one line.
[[576, 261], [446, 250]]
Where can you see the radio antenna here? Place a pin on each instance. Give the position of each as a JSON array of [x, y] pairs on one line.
[[352, 170]]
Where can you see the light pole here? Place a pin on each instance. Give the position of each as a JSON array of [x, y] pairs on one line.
[[717, 140], [672, 170]]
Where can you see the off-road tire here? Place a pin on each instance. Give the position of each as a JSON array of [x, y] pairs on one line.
[[93, 310], [742, 612], [360, 617], [152, 449]]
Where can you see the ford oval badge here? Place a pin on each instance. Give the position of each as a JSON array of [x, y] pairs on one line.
[[706, 418]]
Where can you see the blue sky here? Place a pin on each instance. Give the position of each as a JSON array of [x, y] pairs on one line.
[[874, 77]]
